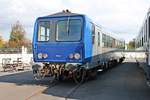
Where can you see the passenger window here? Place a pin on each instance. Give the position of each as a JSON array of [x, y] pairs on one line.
[[43, 31], [98, 39], [107, 39], [104, 40], [145, 31], [144, 34], [142, 41], [111, 42]]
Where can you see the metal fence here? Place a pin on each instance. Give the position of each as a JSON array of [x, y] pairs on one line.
[[13, 50]]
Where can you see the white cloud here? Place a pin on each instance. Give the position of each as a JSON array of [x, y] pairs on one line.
[[121, 16]]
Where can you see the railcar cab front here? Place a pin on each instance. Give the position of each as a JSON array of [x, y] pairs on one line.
[[58, 38]]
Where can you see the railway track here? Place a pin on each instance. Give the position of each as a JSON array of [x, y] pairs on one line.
[[41, 90], [73, 90], [56, 84]]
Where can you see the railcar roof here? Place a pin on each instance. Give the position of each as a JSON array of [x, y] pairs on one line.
[[68, 13], [63, 13]]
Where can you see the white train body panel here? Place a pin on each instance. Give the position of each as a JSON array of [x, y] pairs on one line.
[[105, 46]]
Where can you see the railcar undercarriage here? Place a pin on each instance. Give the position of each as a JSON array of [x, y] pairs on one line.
[[60, 71], [63, 71]]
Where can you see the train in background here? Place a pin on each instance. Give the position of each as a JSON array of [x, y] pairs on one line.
[[69, 45], [142, 42]]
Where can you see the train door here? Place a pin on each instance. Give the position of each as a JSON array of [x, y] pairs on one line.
[[148, 46], [99, 41], [94, 40], [98, 47], [96, 43]]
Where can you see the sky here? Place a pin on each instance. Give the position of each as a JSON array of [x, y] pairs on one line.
[[123, 17]]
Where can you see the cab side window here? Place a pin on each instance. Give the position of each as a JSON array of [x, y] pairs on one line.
[[43, 31], [93, 34]]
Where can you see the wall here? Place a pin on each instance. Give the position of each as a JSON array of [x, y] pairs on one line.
[[26, 58]]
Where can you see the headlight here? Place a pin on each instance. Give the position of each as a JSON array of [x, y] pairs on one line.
[[40, 55], [44, 55], [71, 56], [77, 56]]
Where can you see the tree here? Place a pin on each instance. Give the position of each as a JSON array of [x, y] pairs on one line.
[[1, 42], [131, 45], [17, 36]]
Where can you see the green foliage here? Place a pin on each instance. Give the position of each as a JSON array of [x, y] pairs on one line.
[[17, 36], [16, 41], [131, 45], [1, 42]]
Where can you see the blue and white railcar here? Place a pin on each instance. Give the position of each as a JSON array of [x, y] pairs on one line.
[[71, 45]]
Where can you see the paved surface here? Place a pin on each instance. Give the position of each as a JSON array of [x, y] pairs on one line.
[[124, 82], [2, 73]]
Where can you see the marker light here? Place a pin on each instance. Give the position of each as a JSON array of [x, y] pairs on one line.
[[77, 56]]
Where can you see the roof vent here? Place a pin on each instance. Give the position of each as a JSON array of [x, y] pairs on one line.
[[66, 11], [63, 11]]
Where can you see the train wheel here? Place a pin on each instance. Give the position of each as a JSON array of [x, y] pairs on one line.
[[109, 64], [61, 78], [105, 66], [92, 74], [121, 60], [79, 75], [115, 62], [37, 75]]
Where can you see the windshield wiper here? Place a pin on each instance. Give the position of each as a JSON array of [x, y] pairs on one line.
[[68, 26]]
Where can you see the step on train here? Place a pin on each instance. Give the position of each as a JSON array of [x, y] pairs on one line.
[[71, 46]]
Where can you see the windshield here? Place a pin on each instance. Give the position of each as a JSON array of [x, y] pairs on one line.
[[69, 30]]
